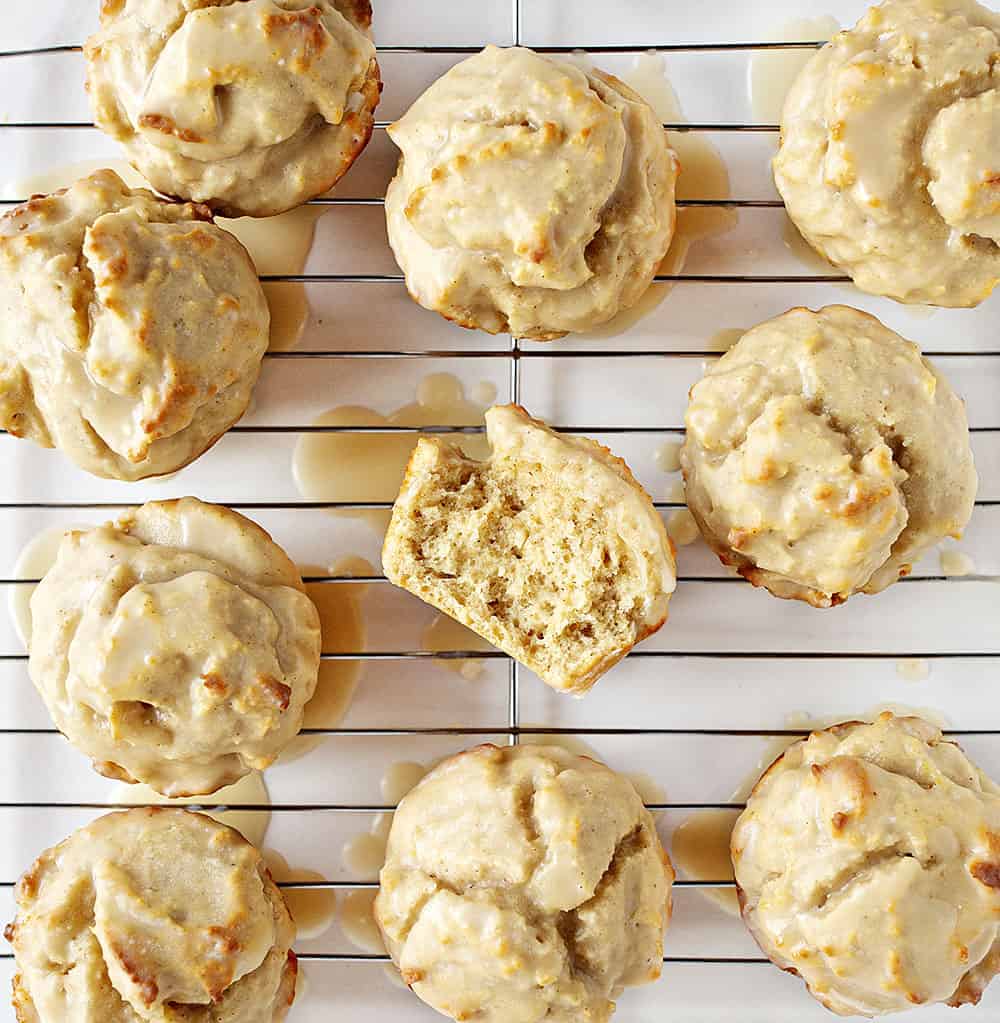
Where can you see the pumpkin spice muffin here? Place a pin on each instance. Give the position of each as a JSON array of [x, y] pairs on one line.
[[824, 456], [889, 162], [175, 647], [524, 883], [251, 106], [152, 914], [532, 197], [868, 862], [133, 329]]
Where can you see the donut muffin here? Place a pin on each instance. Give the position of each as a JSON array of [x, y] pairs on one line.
[[532, 197], [252, 106], [550, 549], [824, 456], [152, 914], [131, 329], [175, 647], [868, 862], [524, 883], [889, 161]]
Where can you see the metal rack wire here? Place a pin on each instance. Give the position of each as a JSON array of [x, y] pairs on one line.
[[515, 356]]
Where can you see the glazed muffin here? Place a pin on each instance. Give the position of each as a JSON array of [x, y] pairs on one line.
[[550, 549], [133, 329], [532, 197], [175, 647], [888, 162], [524, 883], [152, 914], [252, 106], [868, 862], [824, 456]]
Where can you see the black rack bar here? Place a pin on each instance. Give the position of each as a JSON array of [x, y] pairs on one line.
[[737, 580], [679, 126], [561, 353], [444, 730], [641, 655], [329, 200], [271, 505], [659, 278], [599, 48], [302, 807]]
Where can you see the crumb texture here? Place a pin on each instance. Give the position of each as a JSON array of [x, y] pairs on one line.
[[252, 107], [824, 456], [152, 915], [176, 647], [524, 883], [888, 157], [132, 329], [531, 197], [869, 862], [550, 549]]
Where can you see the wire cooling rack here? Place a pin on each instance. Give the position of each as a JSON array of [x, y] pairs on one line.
[[698, 707]]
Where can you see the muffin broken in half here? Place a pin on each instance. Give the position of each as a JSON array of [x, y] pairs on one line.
[[549, 549]]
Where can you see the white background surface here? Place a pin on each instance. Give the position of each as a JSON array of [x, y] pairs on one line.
[[679, 685]]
